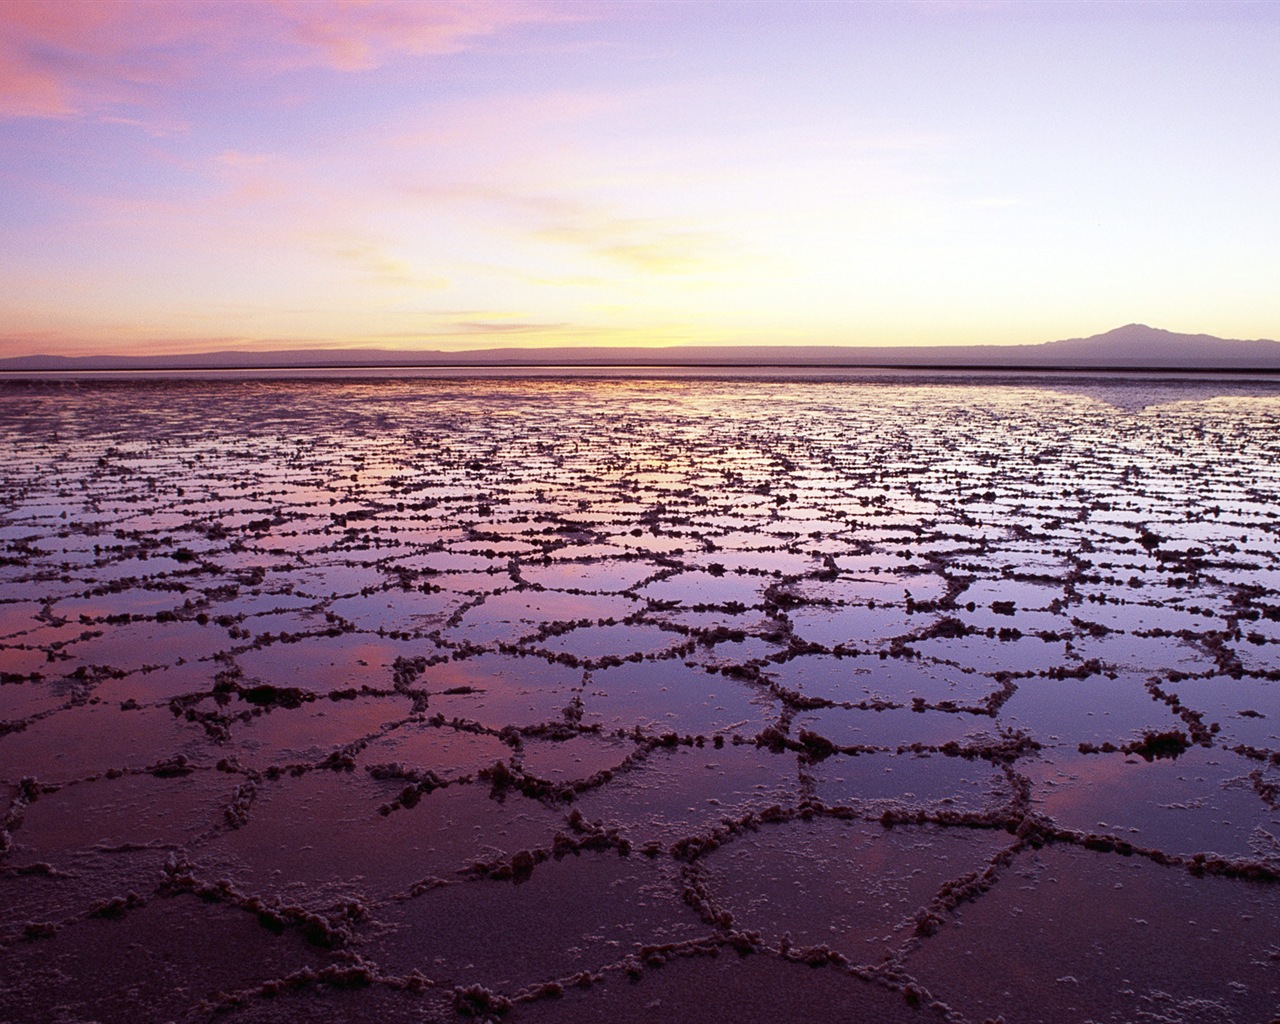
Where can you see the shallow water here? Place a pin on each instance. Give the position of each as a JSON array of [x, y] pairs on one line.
[[610, 696]]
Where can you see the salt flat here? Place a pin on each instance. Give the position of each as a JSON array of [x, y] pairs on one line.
[[634, 697]]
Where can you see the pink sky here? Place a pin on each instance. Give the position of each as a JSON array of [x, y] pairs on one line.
[[191, 176]]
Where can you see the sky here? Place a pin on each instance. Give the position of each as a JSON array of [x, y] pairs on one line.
[[189, 177]]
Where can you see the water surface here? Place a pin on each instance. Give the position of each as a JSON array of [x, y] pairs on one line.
[[564, 694]]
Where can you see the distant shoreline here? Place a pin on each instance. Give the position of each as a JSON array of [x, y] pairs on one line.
[[1134, 348], [633, 367]]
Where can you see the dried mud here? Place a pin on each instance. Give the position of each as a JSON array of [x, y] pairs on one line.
[[639, 699]]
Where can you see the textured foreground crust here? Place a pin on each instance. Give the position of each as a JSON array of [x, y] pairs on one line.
[[632, 700]]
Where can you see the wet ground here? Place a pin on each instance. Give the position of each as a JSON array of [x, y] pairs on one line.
[[633, 699]]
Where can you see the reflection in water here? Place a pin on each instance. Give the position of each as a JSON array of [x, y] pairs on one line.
[[491, 694]]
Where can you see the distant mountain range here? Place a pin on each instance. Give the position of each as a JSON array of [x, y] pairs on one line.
[[1134, 346]]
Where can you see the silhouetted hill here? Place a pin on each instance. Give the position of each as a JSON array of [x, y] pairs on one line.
[[1143, 346], [1134, 346]]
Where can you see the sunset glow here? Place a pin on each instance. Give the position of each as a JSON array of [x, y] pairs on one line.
[[182, 177]]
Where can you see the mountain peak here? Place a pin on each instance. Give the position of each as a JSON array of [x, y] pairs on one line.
[[1136, 330], [1142, 345]]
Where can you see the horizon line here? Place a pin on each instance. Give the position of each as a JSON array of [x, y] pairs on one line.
[[1132, 368]]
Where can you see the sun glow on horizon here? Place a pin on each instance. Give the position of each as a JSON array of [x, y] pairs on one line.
[[454, 175]]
